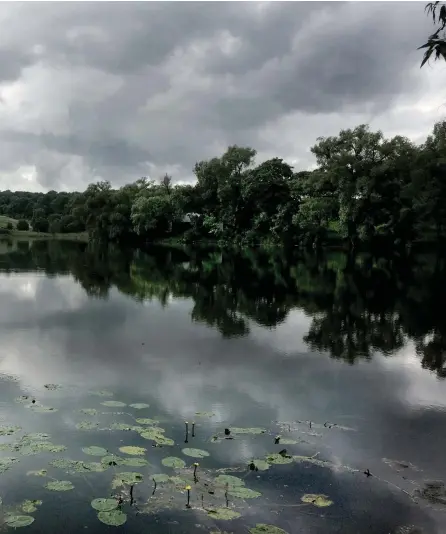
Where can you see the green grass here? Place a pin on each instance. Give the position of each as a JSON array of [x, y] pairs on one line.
[[5, 220], [29, 234]]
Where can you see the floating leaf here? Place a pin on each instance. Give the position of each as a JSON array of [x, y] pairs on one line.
[[288, 441], [195, 453], [319, 500], [42, 409], [59, 485], [134, 462], [139, 405], [204, 414], [52, 387], [146, 421], [160, 478], [30, 506], [6, 463], [262, 528], [113, 518], [171, 461], [31, 447], [36, 436], [126, 427], [279, 459], [87, 425], [102, 393], [260, 465], [96, 467], [23, 399], [254, 430], [126, 478], [115, 404], [178, 481], [223, 513], [156, 435], [104, 505], [38, 473], [112, 459], [17, 521], [230, 480], [243, 493], [9, 430], [89, 411], [133, 451], [94, 451]]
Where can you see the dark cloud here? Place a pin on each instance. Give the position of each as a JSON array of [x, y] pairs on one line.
[[115, 91]]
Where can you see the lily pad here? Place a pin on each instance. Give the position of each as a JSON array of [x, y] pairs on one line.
[[6, 463], [89, 411], [278, 459], [156, 435], [112, 459], [126, 427], [114, 404], [52, 387], [102, 393], [59, 485], [260, 465], [126, 478], [17, 521], [133, 451], [135, 462], [318, 500], [262, 528], [159, 478], [23, 399], [204, 414], [30, 506], [96, 467], [38, 473], [42, 409], [172, 461], [87, 425], [139, 406], [104, 505], [230, 480], [95, 451], [195, 453], [36, 436], [223, 513], [288, 441], [243, 493], [113, 518], [146, 421], [9, 430], [253, 430]]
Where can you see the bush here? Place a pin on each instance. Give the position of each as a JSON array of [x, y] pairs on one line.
[[22, 225], [9, 226], [40, 225]]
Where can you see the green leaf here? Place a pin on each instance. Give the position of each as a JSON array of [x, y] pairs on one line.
[[17, 521], [39, 473], [139, 406], [195, 453], [319, 500], [114, 404], [95, 451], [30, 506], [104, 505], [160, 478], [172, 461], [113, 518], [223, 514], [135, 462], [262, 528], [128, 478], [59, 485], [279, 459], [243, 493], [133, 451], [254, 430], [230, 480]]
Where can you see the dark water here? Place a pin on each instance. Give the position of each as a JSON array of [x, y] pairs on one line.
[[347, 353]]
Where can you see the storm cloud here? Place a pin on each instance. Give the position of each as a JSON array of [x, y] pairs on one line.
[[117, 91]]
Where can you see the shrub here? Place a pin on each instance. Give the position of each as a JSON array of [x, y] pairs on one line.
[[22, 225]]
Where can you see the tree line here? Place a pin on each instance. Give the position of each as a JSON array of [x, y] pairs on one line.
[[358, 305], [365, 188]]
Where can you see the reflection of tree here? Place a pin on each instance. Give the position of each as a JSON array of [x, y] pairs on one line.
[[359, 305]]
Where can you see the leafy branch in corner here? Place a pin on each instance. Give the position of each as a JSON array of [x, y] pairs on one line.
[[437, 41]]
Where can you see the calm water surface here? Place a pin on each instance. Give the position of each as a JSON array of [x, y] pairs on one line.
[[343, 357]]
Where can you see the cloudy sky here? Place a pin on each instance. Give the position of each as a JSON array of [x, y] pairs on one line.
[[123, 90]]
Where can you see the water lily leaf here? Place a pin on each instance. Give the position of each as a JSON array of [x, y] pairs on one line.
[[115, 404], [279, 459], [112, 459], [59, 485], [89, 411], [121, 479], [319, 500], [96, 467], [243, 493], [135, 462], [223, 513], [262, 528], [17, 521], [125, 427], [52, 387], [30, 448], [104, 505], [113, 518], [23, 399], [159, 478], [102, 393], [139, 405], [95, 451], [36, 436], [260, 465], [195, 453], [155, 435], [30, 506], [42, 409], [38, 473], [178, 481], [9, 430], [254, 430], [171, 461], [204, 414], [133, 451], [6, 463], [230, 480], [71, 466], [146, 421], [87, 425], [288, 441]]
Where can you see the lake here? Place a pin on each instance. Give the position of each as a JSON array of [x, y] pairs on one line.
[[312, 386]]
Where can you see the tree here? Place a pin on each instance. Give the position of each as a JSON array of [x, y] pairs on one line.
[[437, 41], [22, 225], [9, 226], [40, 224]]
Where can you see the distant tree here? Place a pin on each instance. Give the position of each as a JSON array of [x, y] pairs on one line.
[[437, 41], [40, 225], [22, 225], [166, 184], [9, 226]]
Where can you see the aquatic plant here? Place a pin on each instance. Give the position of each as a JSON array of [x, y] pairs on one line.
[[195, 453], [319, 500], [59, 485]]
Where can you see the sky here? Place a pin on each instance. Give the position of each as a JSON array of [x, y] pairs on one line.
[[117, 91]]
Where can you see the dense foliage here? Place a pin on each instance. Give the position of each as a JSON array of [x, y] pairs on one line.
[[436, 43], [355, 305], [365, 188]]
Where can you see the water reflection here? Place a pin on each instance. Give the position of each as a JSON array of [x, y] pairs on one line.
[[254, 353]]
